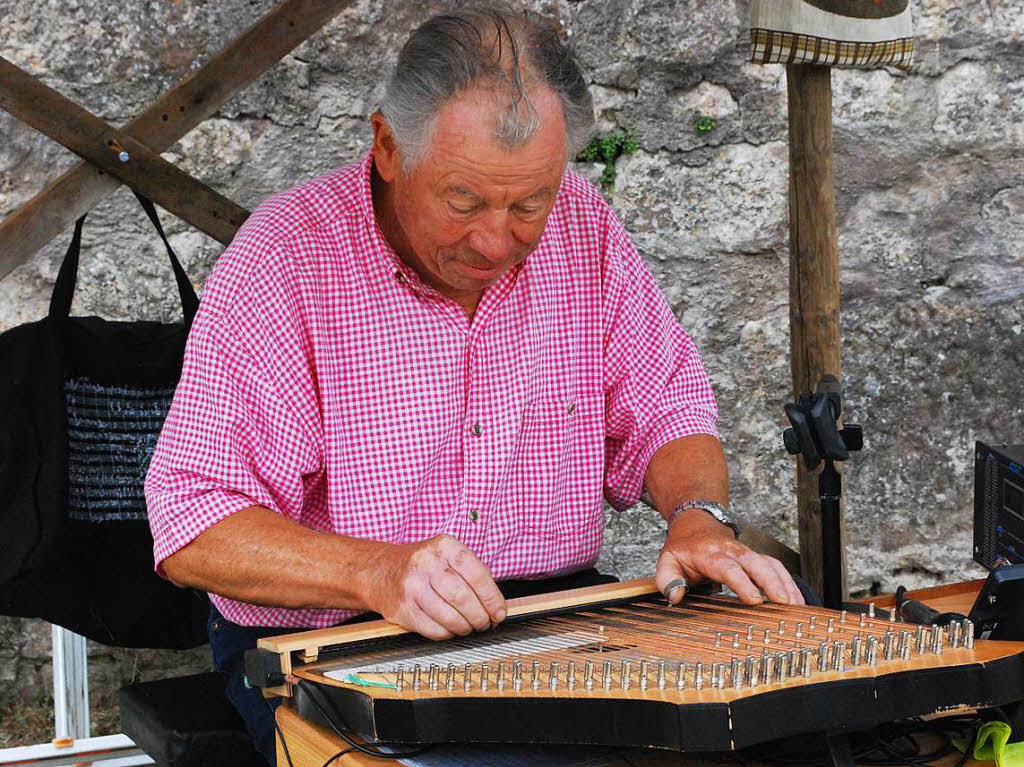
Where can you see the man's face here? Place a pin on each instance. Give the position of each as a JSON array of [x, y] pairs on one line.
[[472, 207]]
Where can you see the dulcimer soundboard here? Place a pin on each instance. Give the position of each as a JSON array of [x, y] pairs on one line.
[[616, 665]]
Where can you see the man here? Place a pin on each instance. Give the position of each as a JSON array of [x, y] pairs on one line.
[[419, 375]]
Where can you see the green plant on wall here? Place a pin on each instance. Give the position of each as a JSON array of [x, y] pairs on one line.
[[607, 149], [703, 124]]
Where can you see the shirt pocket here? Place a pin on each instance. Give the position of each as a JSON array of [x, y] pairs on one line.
[[540, 472]]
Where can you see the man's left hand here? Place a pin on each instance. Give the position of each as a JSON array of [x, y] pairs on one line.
[[699, 547]]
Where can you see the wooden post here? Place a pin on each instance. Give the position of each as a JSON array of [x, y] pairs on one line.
[[813, 274]]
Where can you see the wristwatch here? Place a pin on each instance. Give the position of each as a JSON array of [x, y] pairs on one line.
[[711, 507]]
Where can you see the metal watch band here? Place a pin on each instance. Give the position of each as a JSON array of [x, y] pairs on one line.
[[713, 508]]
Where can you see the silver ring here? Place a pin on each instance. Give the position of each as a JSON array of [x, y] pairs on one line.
[[675, 584]]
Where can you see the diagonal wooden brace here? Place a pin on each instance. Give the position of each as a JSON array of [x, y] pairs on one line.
[[169, 118], [117, 153]]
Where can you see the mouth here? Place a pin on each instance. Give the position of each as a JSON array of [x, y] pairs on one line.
[[486, 273]]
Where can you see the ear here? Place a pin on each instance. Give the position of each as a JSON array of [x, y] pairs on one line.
[[386, 156]]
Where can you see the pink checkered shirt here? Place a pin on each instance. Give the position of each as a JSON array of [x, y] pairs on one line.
[[325, 381]]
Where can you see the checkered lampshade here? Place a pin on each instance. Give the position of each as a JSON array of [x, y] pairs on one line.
[[847, 33]]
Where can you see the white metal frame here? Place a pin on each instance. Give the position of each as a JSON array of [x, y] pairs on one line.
[[71, 717]]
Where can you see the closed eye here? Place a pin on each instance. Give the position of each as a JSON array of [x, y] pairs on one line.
[[463, 209]]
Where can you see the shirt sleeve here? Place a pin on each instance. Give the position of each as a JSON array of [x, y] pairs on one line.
[[230, 441], [656, 388]]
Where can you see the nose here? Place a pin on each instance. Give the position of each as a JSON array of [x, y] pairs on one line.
[[493, 237]]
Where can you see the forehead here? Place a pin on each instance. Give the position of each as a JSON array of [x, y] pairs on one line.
[[465, 154]]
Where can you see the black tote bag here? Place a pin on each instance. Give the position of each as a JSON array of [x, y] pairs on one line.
[[82, 401]]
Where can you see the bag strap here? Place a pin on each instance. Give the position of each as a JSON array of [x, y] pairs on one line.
[[64, 288]]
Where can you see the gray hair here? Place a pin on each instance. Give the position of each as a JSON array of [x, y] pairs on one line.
[[490, 46]]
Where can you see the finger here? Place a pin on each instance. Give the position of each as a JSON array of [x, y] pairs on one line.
[[418, 621], [454, 590], [796, 598], [667, 575], [729, 572], [761, 570], [438, 610], [464, 562]]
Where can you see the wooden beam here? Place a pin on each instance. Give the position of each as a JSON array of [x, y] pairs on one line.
[[118, 154], [813, 274], [169, 118]]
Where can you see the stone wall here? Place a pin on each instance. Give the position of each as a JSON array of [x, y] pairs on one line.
[[930, 193]]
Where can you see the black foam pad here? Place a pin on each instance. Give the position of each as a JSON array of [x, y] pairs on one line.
[[187, 722]]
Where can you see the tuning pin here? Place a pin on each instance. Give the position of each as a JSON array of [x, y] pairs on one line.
[[750, 671], [855, 651], [624, 675], [750, 632], [822, 656], [805, 662], [735, 673], [781, 630], [767, 636], [588, 675], [570, 676], [887, 645], [871, 609], [661, 675], [838, 650], [680, 676], [903, 644], [955, 632], [831, 628], [842, 617], [781, 664], [485, 672], [499, 675], [535, 682], [698, 676], [863, 620], [449, 681], [968, 634], [766, 668], [607, 675], [432, 678], [872, 651], [799, 630], [416, 677], [718, 639], [553, 676], [716, 670], [735, 641], [467, 678], [812, 621], [399, 678], [643, 674], [938, 637], [517, 675]]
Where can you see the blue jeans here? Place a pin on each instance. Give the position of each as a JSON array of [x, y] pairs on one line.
[[229, 641]]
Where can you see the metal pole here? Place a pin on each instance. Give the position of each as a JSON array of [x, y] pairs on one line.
[[70, 685]]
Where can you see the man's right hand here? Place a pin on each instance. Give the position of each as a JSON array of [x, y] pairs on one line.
[[437, 588]]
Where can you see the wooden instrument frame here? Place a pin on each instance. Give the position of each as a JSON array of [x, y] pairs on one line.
[[709, 719]]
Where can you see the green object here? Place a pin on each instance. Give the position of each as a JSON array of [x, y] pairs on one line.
[[354, 679], [991, 745], [703, 124], [607, 149]]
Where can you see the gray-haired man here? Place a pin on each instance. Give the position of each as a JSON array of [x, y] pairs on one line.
[[417, 377]]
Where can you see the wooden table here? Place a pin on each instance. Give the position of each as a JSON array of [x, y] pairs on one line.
[[311, 745]]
